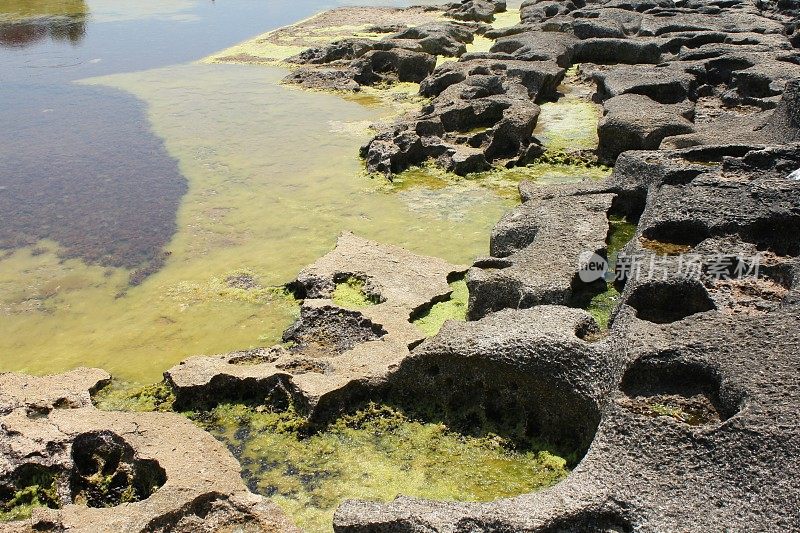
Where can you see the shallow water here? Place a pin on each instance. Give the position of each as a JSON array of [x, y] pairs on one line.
[[271, 175]]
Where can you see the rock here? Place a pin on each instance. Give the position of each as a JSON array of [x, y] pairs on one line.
[[693, 362], [334, 354], [636, 122], [665, 84], [398, 65], [733, 448], [324, 79], [470, 124], [540, 10], [540, 77], [614, 51], [346, 49], [491, 373], [116, 471], [475, 10], [537, 46], [443, 39], [761, 208], [536, 251]]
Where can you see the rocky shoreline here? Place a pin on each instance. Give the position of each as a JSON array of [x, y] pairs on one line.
[[683, 409]]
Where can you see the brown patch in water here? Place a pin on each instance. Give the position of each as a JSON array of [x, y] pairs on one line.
[[694, 410], [664, 248], [81, 167]]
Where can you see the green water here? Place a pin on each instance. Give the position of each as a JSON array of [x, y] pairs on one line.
[[375, 454], [273, 177]]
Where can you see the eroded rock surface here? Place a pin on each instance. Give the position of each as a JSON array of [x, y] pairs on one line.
[[335, 351], [691, 392], [100, 471], [535, 250], [652, 63]]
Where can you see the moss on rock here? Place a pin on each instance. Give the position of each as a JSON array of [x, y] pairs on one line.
[[453, 308], [350, 294]]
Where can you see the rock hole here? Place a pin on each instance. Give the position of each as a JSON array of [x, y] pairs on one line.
[[681, 232], [107, 473], [664, 302], [686, 391]]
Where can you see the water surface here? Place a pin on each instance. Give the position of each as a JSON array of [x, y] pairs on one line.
[[130, 160]]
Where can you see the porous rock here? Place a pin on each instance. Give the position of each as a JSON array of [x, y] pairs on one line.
[[536, 250], [163, 473], [334, 354]]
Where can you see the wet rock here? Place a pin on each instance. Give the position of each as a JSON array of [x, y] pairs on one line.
[[536, 250], [332, 355], [346, 49], [540, 77], [689, 202], [324, 79], [636, 122], [691, 364], [470, 124], [537, 46], [398, 65], [113, 471]]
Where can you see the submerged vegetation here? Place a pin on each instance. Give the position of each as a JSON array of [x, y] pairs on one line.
[[453, 308], [376, 454], [602, 305], [138, 398], [34, 487]]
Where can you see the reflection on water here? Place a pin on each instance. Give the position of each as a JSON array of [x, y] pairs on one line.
[[82, 168], [25, 22]]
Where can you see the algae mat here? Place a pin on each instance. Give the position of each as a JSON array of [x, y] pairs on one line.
[[273, 176], [375, 454]]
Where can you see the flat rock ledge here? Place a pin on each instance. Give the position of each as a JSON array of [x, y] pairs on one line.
[[114, 471], [332, 354]]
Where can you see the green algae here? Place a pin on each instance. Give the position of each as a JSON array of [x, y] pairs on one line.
[[453, 308], [234, 286], [274, 47], [350, 294], [550, 169], [569, 123], [602, 304], [508, 18], [259, 199], [375, 454], [35, 487], [121, 396]]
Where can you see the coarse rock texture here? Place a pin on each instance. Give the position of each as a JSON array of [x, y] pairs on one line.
[[343, 23], [692, 392], [536, 250], [709, 71], [475, 10], [113, 472], [733, 62], [482, 113], [637, 122], [518, 374], [333, 353]]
